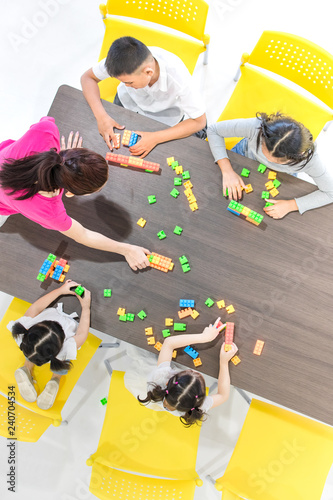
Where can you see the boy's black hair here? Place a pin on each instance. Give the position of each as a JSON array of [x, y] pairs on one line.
[[125, 56]]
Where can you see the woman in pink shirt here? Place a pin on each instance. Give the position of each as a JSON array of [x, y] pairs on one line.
[[34, 173]]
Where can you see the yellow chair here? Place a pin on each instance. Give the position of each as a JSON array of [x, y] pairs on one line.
[[295, 59], [137, 441], [279, 455], [183, 16], [11, 358]]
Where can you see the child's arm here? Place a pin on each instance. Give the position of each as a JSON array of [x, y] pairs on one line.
[[105, 123], [83, 329], [171, 343], [223, 382], [42, 303]]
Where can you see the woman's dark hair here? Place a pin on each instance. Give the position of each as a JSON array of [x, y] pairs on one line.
[[41, 343], [285, 138], [125, 56], [186, 391], [78, 170]]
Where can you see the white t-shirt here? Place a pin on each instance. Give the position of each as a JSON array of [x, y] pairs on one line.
[[69, 325], [172, 97]]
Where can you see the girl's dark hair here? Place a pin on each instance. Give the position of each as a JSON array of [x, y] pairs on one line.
[[78, 170], [41, 343], [286, 138], [125, 56], [186, 391]]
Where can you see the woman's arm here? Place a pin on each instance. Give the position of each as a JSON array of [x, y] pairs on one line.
[[171, 343], [223, 382], [42, 303], [135, 255], [83, 329]]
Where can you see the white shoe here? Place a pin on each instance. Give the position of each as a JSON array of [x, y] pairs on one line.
[[25, 384], [46, 399]]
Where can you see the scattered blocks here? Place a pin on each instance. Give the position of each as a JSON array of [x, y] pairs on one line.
[[197, 362], [274, 192], [121, 311], [166, 333], [272, 175], [168, 321], [258, 347], [191, 352], [248, 188], [209, 302], [161, 235], [104, 400], [186, 303], [151, 341], [107, 292], [276, 183], [265, 195], [186, 175], [79, 290], [142, 315], [235, 360], [184, 313], [178, 230], [175, 193], [177, 181], [179, 327], [220, 304], [183, 259], [149, 330], [245, 172], [194, 314], [151, 199], [158, 346], [230, 309], [141, 222], [262, 168]]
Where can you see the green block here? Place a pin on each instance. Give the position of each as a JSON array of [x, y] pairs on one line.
[[161, 235], [262, 168], [239, 207], [41, 277], [175, 193], [123, 317], [177, 181], [107, 292], [276, 183], [183, 260], [233, 205], [151, 258], [166, 333], [186, 268], [209, 302], [245, 172], [150, 171], [151, 199], [130, 317], [178, 230], [186, 175], [142, 314], [252, 214], [265, 195], [227, 192], [79, 290], [268, 204], [179, 327], [258, 218], [104, 401], [174, 164], [51, 257]]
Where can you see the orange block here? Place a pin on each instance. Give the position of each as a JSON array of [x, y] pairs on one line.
[[197, 362], [188, 185], [248, 188], [258, 347], [158, 346], [235, 360], [185, 313], [116, 142]]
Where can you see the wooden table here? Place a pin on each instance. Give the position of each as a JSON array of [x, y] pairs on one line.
[[280, 279]]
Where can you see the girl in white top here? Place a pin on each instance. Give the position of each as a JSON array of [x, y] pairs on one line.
[[183, 392], [49, 335]]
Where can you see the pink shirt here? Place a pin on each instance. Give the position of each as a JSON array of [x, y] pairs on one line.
[[48, 212]]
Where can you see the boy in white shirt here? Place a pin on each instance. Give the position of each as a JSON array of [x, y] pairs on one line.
[[154, 83]]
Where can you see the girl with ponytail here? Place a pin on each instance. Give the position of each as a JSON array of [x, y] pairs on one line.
[[183, 392], [48, 335], [282, 144], [34, 174]]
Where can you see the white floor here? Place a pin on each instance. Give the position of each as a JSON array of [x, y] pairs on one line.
[[46, 43]]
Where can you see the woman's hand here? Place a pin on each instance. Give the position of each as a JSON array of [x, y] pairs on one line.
[[280, 208], [75, 142], [211, 332]]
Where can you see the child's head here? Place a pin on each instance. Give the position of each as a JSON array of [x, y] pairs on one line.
[[284, 140], [79, 171], [41, 343], [131, 62], [185, 392]]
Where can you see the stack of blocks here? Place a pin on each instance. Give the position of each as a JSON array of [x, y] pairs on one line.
[[229, 336], [184, 262], [249, 215], [132, 161], [53, 268], [129, 138], [160, 262]]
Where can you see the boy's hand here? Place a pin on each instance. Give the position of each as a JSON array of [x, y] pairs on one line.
[[85, 300], [234, 183], [105, 128], [136, 257], [212, 331], [145, 144], [75, 142], [226, 356], [66, 287], [280, 208]]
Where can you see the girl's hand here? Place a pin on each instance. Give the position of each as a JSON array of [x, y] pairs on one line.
[[211, 332], [225, 357], [85, 300], [66, 287], [280, 208], [136, 257], [234, 183], [71, 143]]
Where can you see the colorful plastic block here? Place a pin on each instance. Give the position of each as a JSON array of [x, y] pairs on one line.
[[170, 161], [274, 192], [104, 400], [178, 230], [121, 311], [79, 290], [161, 235], [268, 204], [191, 352], [151, 341], [186, 175], [160, 262], [269, 185], [235, 360], [141, 222], [188, 192], [265, 195], [158, 346], [149, 331], [272, 175], [174, 354], [175, 193], [194, 314], [197, 362], [262, 168], [166, 333], [258, 347], [179, 327], [186, 268], [130, 317], [107, 292], [41, 277], [183, 259], [177, 181], [186, 303], [209, 302], [248, 188], [230, 309], [245, 172], [179, 170], [132, 161], [276, 183], [142, 315], [188, 185], [168, 321], [227, 347], [184, 313], [51, 257], [191, 199], [123, 318], [229, 333], [194, 206], [174, 164], [151, 199], [116, 141], [220, 304]]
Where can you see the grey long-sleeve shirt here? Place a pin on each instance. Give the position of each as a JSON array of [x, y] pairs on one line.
[[322, 176]]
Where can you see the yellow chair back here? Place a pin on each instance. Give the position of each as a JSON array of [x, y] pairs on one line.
[[11, 358], [278, 455]]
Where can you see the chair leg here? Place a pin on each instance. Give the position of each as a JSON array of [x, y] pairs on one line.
[[108, 366], [327, 125], [244, 395], [205, 61], [109, 344]]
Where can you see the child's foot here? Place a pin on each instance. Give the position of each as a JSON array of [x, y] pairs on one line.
[[25, 384], [46, 399]]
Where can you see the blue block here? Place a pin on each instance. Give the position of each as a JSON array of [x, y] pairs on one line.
[[57, 272], [133, 139], [45, 266], [233, 211], [191, 352], [186, 303]]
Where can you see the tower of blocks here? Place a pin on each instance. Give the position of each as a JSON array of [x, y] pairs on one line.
[[245, 213], [160, 262], [132, 161], [229, 335], [129, 138], [56, 269]]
